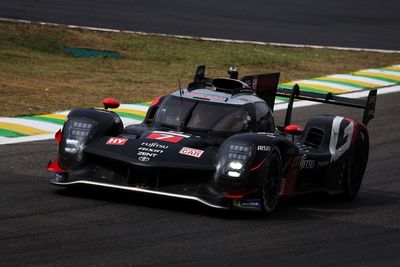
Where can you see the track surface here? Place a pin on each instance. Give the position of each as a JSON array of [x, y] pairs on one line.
[[356, 23], [41, 224], [44, 225]]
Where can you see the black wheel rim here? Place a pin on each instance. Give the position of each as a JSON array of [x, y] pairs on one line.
[[272, 182], [357, 167]]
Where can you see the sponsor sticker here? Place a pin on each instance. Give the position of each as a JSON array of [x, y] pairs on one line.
[[208, 96], [306, 163], [150, 150], [147, 154], [263, 148], [250, 203], [154, 145], [167, 136], [116, 141], [191, 152]]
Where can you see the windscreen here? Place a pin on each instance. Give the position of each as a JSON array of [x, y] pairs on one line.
[[202, 116], [173, 112]]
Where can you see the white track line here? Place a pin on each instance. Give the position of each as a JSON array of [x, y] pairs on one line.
[[127, 121], [207, 38], [388, 72], [44, 126]]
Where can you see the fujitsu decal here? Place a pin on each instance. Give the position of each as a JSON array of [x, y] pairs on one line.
[[191, 152], [341, 137], [150, 150], [116, 141], [171, 137]]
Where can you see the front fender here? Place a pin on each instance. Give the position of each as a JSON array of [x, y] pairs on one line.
[[242, 155], [82, 126]]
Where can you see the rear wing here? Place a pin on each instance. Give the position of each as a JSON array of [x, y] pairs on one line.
[[367, 105]]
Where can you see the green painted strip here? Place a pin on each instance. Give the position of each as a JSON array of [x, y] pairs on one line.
[[284, 99], [8, 133], [44, 119], [389, 69], [129, 115], [376, 78], [340, 82], [305, 89], [86, 52], [146, 104]]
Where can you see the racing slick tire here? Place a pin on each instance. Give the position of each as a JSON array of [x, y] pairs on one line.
[[271, 177], [354, 167]]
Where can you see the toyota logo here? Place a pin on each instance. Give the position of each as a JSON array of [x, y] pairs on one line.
[[144, 158]]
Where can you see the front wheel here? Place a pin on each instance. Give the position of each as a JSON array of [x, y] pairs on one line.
[[271, 173]]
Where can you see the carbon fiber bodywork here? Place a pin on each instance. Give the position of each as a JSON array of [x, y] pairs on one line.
[[215, 145]]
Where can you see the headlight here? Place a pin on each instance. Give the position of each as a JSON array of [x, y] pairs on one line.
[[239, 152], [234, 158], [235, 165], [79, 128], [233, 174], [77, 134]]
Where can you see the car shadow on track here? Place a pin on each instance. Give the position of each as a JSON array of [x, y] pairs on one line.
[[303, 207], [322, 205]]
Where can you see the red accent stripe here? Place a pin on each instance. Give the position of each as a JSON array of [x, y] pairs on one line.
[[290, 180], [257, 166], [233, 196]]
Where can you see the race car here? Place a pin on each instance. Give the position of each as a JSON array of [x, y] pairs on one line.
[[216, 142]]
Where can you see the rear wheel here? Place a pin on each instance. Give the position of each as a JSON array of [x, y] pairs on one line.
[[356, 165], [271, 180]]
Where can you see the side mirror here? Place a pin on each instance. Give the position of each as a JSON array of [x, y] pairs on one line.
[[294, 129], [110, 103], [155, 101]]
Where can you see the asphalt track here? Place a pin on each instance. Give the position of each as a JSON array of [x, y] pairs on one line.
[[357, 23], [41, 224], [44, 225]]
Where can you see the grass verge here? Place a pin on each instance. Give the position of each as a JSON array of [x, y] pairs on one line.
[[36, 77]]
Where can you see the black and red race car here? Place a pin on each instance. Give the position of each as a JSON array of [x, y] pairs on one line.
[[216, 142]]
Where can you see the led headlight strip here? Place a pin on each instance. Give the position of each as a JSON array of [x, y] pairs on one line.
[[78, 131], [238, 155]]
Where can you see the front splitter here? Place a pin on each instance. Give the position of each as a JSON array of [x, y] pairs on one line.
[[136, 189]]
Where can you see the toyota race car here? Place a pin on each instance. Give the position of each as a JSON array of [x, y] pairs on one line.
[[216, 142]]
